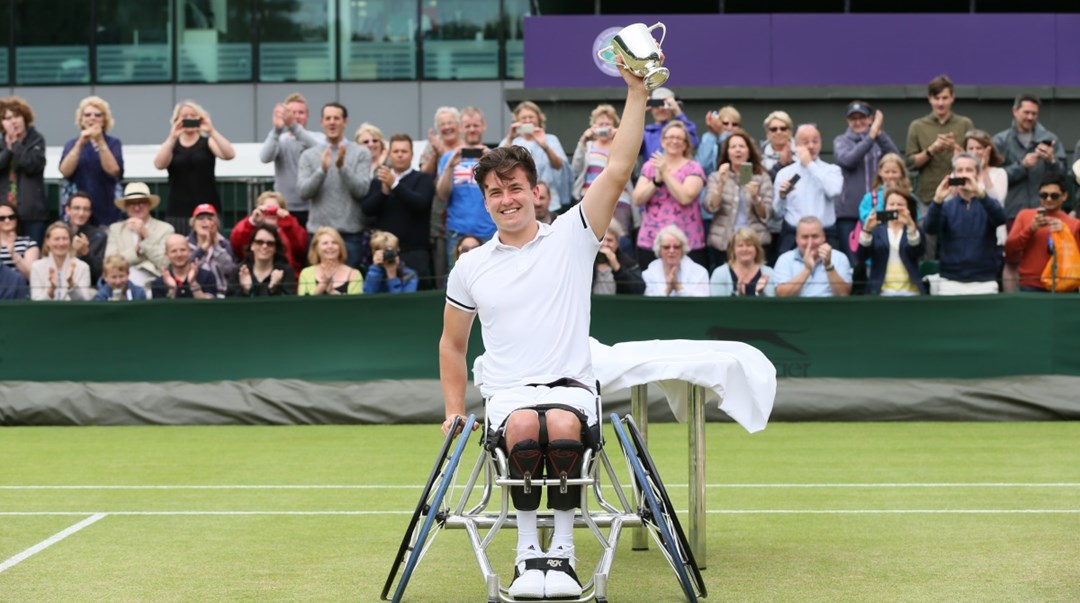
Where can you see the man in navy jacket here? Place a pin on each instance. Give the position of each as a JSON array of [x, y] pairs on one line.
[[966, 218]]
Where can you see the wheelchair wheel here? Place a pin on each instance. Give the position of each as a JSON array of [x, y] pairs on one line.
[[416, 535], [658, 512]]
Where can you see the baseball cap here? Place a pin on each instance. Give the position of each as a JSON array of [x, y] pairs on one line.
[[662, 93], [858, 107], [204, 208]]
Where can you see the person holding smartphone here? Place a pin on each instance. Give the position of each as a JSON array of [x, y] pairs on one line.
[[190, 153], [456, 186], [591, 155], [1031, 232], [893, 244], [739, 194], [965, 219], [1030, 151], [665, 108], [529, 130]]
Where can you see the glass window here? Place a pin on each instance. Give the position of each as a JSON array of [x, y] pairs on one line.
[[378, 39], [296, 40], [214, 40], [516, 11], [461, 39], [5, 41], [52, 42], [133, 41]]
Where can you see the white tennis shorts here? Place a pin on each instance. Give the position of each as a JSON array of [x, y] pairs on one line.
[[501, 404]]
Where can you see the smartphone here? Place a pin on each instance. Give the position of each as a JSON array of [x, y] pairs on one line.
[[957, 181], [746, 173], [654, 102], [470, 153], [794, 179], [601, 258], [1047, 141], [1041, 211], [526, 128], [191, 123], [601, 132], [888, 214]]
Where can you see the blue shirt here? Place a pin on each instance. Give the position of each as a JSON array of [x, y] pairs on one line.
[[815, 194], [790, 264], [967, 232], [465, 211], [90, 178]]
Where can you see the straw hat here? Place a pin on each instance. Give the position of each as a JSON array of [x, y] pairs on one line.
[[137, 190]]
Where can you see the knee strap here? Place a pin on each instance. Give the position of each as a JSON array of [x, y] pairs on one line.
[[525, 458], [564, 461]]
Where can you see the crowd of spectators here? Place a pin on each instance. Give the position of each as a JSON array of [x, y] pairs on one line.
[[711, 212]]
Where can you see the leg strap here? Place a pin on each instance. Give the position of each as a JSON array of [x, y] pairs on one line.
[[525, 458], [564, 462]]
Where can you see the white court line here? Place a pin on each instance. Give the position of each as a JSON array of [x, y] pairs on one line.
[[48, 542], [418, 486], [710, 512]]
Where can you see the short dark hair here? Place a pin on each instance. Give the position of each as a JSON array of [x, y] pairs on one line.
[[344, 111], [1026, 98], [503, 161], [82, 195], [1054, 177], [400, 137], [940, 84], [279, 251]]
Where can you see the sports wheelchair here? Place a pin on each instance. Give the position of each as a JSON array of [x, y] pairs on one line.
[[443, 504]]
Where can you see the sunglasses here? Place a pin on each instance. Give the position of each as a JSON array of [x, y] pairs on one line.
[[1050, 196], [263, 243], [779, 129], [8, 218]]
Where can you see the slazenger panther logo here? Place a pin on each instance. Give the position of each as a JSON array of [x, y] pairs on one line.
[[772, 336], [554, 563]]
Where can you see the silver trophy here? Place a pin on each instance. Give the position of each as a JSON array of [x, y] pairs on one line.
[[640, 52]]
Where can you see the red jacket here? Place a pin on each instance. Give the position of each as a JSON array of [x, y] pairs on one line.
[[293, 236], [1031, 247]]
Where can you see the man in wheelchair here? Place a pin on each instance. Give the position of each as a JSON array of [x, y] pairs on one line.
[[531, 286]]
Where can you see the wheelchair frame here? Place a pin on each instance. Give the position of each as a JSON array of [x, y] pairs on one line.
[[649, 507]]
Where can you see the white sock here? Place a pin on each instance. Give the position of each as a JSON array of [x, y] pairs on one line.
[[527, 536], [564, 529]]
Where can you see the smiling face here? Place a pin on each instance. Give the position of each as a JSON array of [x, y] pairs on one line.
[[979, 150], [328, 248], [263, 246], [8, 220], [299, 111], [510, 202], [671, 251], [205, 224], [178, 252], [675, 142], [778, 133], [138, 208], [372, 142], [92, 115], [542, 201], [745, 252], [890, 174], [78, 211], [859, 123], [333, 123], [1051, 197], [449, 128], [473, 126], [116, 279], [58, 241], [1026, 115]]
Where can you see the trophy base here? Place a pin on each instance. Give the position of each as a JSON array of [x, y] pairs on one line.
[[655, 78]]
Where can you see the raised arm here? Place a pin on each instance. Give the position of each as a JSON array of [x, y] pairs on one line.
[[600, 199]]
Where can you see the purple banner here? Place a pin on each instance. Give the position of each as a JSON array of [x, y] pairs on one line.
[[818, 50]]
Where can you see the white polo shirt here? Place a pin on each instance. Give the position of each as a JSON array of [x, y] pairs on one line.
[[534, 304]]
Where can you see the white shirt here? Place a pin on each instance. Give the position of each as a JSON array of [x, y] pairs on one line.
[[815, 194], [534, 304], [693, 277]]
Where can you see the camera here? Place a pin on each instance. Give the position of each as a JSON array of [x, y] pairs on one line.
[[526, 128], [472, 153], [270, 212], [957, 181], [602, 132], [654, 102], [886, 215], [191, 123], [389, 256]]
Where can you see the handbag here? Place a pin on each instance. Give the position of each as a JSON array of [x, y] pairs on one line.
[[853, 238], [1062, 272]]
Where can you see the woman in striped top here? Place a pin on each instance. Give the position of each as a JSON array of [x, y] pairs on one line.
[[15, 251], [591, 156]]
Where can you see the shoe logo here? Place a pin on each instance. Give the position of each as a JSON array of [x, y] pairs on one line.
[[554, 563]]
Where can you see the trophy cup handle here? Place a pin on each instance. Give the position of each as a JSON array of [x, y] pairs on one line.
[[663, 34], [600, 54]]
